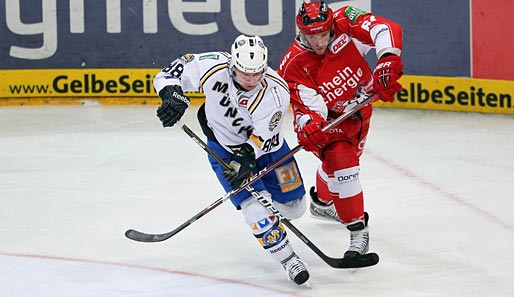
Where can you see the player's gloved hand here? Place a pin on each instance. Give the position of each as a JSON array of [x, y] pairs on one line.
[[241, 165], [174, 105], [385, 77], [312, 136]]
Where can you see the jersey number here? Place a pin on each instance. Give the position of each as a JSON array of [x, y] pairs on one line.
[[270, 143], [175, 69], [367, 24]]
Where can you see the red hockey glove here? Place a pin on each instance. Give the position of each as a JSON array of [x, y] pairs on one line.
[[385, 77], [312, 136]]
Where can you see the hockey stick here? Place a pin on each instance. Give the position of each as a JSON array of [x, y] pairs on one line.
[[355, 105], [333, 262]]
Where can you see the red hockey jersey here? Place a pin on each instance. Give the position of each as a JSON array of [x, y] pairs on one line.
[[323, 83]]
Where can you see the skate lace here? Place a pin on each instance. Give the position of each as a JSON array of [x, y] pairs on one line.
[[331, 212], [359, 241], [293, 267], [327, 212]]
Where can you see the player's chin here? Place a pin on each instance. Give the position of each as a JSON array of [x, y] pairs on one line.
[[249, 87], [320, 51]]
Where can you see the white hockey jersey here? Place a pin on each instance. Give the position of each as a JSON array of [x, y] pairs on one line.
[[235, 116]]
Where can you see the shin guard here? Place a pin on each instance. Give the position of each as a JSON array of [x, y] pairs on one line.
[[338, 181], [267, 229]]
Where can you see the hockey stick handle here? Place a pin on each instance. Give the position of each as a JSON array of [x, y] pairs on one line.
[[204, 146], [361, 100]]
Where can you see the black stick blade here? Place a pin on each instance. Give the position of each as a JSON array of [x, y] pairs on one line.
[[361, 261], [145, 237]]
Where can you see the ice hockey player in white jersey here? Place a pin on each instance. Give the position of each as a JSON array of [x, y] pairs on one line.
[[242, 119]]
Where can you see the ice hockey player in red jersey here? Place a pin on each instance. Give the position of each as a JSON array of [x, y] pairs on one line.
[[324, 68]]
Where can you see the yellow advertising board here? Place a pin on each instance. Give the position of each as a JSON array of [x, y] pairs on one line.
[[76, 83], [134, 86], [69, 86], [454, 94]]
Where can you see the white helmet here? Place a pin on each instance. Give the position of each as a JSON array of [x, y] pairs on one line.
[[249, 54]]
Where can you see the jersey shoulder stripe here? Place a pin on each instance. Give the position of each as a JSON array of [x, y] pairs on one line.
[[278, 80], [211, 72], [258, 97]]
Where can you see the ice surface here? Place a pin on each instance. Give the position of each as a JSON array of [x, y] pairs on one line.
[[438, 187]]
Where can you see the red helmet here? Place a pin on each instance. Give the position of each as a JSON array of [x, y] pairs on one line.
[[314, 18]]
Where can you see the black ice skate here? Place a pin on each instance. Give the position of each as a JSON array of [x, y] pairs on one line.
[[295, 269], [359, 238]]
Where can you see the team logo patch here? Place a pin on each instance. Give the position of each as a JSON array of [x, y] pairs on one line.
[[243, 101], [288, 177], [241, 42], [187, 58], [275, 119], [273, 236]]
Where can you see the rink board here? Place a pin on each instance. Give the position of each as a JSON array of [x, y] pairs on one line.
[[134, 86]]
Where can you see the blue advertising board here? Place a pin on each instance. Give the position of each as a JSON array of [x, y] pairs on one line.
[[49, 34]]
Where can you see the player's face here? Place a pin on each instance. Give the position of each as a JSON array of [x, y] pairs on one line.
[[247, 80], [318, 42]]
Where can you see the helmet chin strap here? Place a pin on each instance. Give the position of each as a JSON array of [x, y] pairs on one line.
[[234, 79], [238, 86], [304, 42]]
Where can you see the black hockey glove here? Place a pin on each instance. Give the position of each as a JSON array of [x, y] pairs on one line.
[[242, 164], [174, 105]]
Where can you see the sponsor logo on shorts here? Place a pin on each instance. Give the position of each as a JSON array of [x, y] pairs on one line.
[[288, 177]]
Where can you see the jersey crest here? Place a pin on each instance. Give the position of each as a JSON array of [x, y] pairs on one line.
[[275, 119], [187, 58]]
